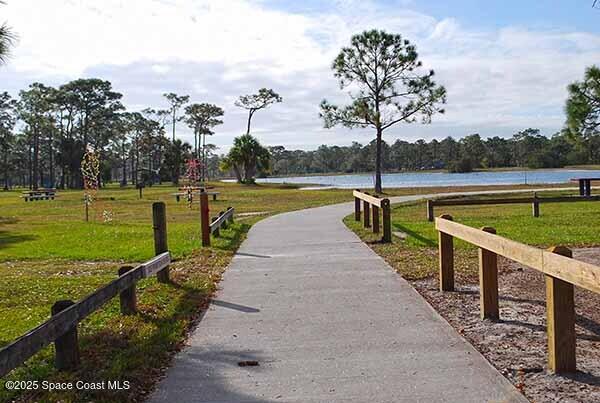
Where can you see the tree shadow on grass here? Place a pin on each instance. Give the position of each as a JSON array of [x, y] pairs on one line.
[[415, 235], [7, 238], [118, 352]]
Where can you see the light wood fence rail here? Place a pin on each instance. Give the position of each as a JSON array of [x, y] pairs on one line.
[[561, 272]]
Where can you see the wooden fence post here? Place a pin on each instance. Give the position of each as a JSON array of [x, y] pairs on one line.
[[67, 345], [376, 219], [356, 209], [127, 297], [159, 221], [430, 210], [560, 311], [204, 220], [488, 281], [230, 218], [367, 214], [387, 220], [446, 257], [535, 206]]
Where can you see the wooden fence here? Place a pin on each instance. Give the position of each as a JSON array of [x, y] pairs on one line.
[[561, 272], [535, 202], [61, 328], [375, 203], [213, 226]]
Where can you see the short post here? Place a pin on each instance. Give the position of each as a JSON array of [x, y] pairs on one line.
[[535, 205], [387, 220], [127, 297], [581, 188], [367, 214], [560, 311], [140, 191], [430, 210], [216, 231], [204, 220], [588, 188], [376, 219], [87, 209], [446, 257], [356, 209], [67, 345], [159, 224], [230, 218], [488, 281]]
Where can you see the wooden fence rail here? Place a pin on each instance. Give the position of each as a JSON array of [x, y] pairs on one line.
[[221, 221], [535, 202], [61, 328], [560, 270], [374, 203]]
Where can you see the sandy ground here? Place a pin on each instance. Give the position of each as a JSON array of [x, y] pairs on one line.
[[516, 345]]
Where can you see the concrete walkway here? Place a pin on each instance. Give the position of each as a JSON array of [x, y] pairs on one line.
[[328, 321]]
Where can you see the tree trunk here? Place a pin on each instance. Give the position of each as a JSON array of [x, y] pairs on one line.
[[124, 161], [378, 188], [250, 113], [174, 125], [51, 157], [36, 161], [6, 186]]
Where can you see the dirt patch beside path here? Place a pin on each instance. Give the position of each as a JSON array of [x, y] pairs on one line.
[[516, 345]]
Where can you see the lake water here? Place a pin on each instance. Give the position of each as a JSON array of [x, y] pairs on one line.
[[429, 179]]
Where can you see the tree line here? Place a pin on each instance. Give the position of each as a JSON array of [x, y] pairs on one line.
[[45, 132], [527, 148]]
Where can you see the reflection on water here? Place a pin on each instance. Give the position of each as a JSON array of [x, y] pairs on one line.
[[429, 179]]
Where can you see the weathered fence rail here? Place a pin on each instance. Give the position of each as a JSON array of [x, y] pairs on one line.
[[374, 203], [61, 328], [535, 202], [221, 221], [561, 272]]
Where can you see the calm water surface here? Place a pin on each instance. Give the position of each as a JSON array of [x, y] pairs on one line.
[[416, 179]]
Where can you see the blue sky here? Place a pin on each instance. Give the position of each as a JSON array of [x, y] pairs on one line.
[[506, 65]]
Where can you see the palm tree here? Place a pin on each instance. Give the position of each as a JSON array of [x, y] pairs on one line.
[[7, 39], [246, 158]]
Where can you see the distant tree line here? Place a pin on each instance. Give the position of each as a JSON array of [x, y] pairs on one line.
[[527, 148]]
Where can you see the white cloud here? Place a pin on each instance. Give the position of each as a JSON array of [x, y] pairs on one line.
[[498, 80]]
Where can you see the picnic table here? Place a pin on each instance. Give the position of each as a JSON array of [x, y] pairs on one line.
[[39, 194], [585, 185], [179, 195]]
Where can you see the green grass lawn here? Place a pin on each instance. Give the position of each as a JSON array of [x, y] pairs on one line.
[[56, 229], [568, 224], [48, 252]]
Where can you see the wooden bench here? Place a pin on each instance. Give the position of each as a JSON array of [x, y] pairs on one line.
[[39, 195], [179, 195], [585, 185]]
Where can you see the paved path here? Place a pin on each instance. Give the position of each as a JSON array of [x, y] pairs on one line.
[[328, 321]]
